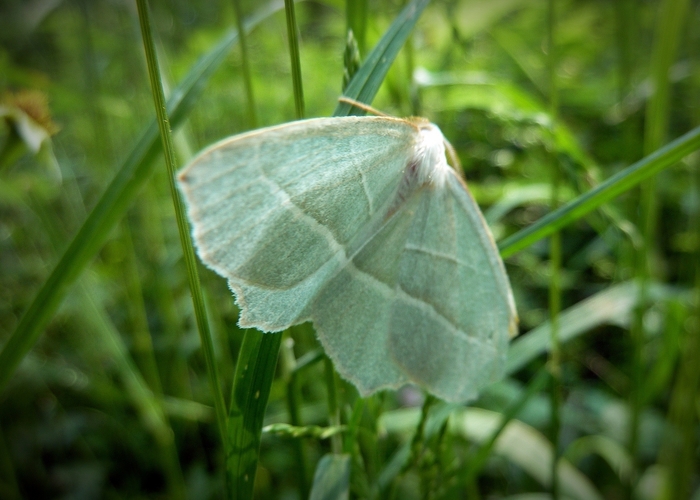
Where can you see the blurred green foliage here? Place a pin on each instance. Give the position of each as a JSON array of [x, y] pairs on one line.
[[113, 401]]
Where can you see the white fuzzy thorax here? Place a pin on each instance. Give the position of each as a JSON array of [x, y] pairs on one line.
[[431, 164]]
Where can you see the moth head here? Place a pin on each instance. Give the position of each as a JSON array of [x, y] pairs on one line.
[[429, 155]]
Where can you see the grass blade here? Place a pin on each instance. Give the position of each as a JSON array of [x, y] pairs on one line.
[[604, 192], [293, 38], [477, 462], [166, 136], [332, 478], [109, 209], [656, 127], [255, 372], [245, 65], [555, 265], [148, 406], [356, 18], [366, 82], [613, 305], [525, 447]]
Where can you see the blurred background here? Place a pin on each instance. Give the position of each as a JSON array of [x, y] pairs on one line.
[[541, 100]]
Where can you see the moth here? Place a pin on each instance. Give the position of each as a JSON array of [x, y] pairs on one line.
[[359, 225]]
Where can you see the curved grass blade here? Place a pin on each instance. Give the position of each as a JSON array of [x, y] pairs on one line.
[[611, 306], [366, 82], [118, 196], [606, 191], [524, 446]]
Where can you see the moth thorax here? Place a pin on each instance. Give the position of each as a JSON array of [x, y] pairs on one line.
[[430, 161]]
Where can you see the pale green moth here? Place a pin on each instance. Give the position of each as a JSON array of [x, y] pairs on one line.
[[359, 225]]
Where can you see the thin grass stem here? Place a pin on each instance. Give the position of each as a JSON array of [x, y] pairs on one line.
[[666, 39], [245, 66], [555, 262], [293, 38], [183, 227]]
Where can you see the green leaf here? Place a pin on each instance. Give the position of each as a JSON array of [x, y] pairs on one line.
[[332, 478], [255, 372]]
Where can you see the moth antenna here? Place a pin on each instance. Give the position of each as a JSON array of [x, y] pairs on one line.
[[454, 159], [361, 105]]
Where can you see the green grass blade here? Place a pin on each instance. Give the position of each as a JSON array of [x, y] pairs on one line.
[[166, 136], [656, 127], [109, 209], [356, 18], [667, 38], [293, 399], [293, 39], [606, 191], [555, 266], [332, 478], [145, 402], [616, 456], [525, 447], [255, 372], [333, 409], [477, 462], [613, 305], [245, 65], [366, 82]]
